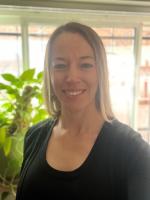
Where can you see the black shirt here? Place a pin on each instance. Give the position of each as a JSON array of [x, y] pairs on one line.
[[117, 168]]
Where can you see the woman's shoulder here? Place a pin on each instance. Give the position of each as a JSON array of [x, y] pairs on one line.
[[128, 145], [120, 129], [38, 129], [38, 126], [126, 137], [35, 135]]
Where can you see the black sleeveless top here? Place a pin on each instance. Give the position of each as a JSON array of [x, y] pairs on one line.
[[117, 168]]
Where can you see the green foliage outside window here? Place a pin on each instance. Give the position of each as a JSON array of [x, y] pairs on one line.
[[21, 105]]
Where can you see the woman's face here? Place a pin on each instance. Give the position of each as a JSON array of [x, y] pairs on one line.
[[73, 72]]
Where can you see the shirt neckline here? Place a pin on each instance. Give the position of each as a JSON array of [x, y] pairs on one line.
[[79, 170]]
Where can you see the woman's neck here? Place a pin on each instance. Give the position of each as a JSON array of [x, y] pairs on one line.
[[81, 122]]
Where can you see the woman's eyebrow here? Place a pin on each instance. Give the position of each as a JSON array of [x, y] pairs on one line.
[[86, 57], [82, 58], [59, 58]]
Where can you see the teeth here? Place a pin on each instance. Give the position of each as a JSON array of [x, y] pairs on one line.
[[73, 93]]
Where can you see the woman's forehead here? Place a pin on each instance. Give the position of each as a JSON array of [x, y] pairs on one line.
[[73, 42]]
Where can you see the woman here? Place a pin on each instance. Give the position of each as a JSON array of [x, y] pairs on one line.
[[83, 152]]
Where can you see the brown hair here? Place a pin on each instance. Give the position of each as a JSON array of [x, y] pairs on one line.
[[102, 98]]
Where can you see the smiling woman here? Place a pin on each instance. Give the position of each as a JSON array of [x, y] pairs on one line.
[[92, 47], [73, 73], [84, 152]]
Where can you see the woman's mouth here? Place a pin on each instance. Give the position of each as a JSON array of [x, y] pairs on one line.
[[73, 92]]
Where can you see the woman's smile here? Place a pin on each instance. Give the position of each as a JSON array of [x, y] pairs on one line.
[[73, 92]]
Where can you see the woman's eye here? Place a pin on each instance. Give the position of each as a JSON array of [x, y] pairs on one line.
[[86, 65], [59, 66]]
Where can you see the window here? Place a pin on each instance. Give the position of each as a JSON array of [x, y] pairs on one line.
[[10, 48], [119, 40]]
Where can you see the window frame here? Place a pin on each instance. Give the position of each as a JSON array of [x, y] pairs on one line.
[[98, 19]]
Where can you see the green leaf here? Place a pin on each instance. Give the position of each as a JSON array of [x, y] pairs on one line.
[[27, 75], [9, 77], [8, 105], [39, 115], [3, 119], [9, 89], [3, 122], [40, 98], [7, 145], [40, 76], [13, 92], [4, 86], [2, 135]]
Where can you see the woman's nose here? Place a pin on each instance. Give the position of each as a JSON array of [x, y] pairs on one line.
[[73, 73]]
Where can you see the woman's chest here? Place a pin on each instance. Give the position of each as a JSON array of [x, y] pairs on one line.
[[68, 153], [94, 179]]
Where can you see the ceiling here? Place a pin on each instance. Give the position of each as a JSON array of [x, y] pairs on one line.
[[137, 6]]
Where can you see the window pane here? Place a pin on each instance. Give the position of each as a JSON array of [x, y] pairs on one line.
[[115, 32], [123, 32], [121, 69], [104, 32], [119, 43], [38, 38], [10, 48]]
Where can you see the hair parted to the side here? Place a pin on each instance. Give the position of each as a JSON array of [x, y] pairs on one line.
[[102, 99]]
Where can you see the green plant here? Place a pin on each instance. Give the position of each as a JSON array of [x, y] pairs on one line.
[[21, 105]]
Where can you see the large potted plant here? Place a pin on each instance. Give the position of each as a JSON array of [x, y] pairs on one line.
[[21, 105]]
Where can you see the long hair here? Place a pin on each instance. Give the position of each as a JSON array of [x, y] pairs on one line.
[[102, 98]]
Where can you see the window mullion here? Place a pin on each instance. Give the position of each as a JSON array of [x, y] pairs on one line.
[[137, 53], [25, 45]]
